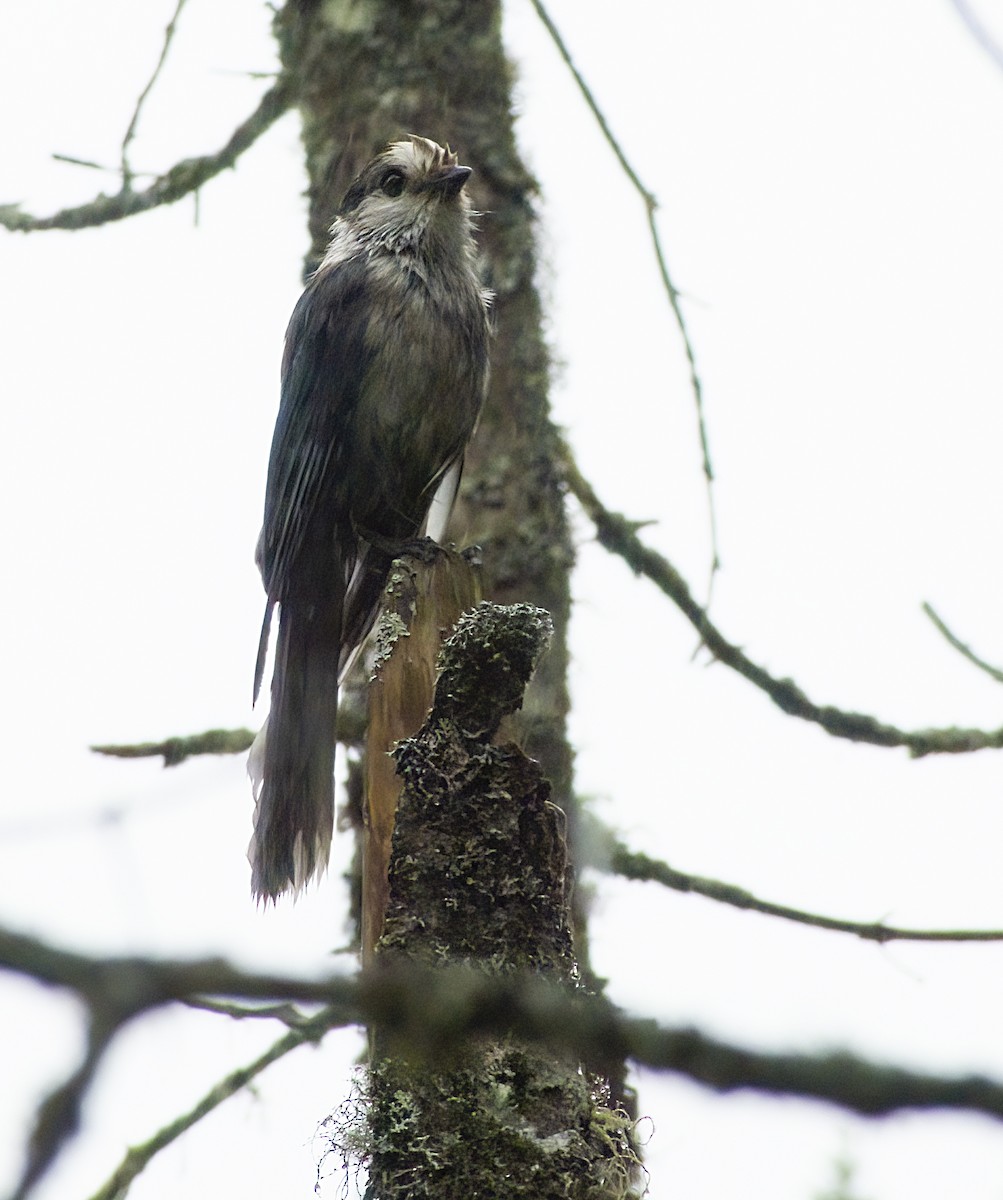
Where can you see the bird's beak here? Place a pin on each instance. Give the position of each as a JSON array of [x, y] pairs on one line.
[[449, 181]]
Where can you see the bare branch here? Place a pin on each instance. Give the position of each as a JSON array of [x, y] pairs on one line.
[[137, 1157], [607, 853], [430, 1010], [175, 750], [117, 990], [650, 202], [961, 647], [843, 1079], [130, 133], [126, 987], [181, 180], [288, 1014], [650, 205], [619, 535], [58, 1115]]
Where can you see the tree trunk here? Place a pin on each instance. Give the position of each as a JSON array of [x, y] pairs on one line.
[[368, 73], [479, 876]]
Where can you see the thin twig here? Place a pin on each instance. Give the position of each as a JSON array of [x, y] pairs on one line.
[[608, 853], [137, 1157], [619, 536], [175, 750], [288, 1014], [650, 205], [130, 133], [961, 647], [181, 180], [85, 162], [58, 1117]]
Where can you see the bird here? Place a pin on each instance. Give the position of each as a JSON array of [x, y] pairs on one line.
[[383, 377]]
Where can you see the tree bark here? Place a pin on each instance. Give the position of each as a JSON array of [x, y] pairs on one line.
[[424, 598], [479, 876], [366, 72]]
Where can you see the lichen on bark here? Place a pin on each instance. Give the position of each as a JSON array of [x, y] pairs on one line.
[[366, 72], [479, 876]]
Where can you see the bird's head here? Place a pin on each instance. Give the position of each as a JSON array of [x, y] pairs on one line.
[[411, 199]]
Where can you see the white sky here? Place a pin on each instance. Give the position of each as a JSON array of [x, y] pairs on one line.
[[831, 190]]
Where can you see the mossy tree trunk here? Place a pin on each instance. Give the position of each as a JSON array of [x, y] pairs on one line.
[[479, 876], [366, 72]]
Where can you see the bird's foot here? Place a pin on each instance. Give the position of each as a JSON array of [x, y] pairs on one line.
[[424, 549]]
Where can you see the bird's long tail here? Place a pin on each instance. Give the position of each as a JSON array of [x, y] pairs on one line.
[[294, 787]]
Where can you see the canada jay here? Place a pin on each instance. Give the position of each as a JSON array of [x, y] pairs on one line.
[[383, 376]]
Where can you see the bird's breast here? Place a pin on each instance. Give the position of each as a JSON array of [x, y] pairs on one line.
[[419, 399]]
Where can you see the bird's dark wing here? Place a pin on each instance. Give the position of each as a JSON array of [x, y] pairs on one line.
[[323, 367]]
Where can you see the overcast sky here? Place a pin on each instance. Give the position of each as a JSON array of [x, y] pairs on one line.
[[831, 189]]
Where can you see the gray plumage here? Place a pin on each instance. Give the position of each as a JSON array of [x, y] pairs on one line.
[[383, 377]]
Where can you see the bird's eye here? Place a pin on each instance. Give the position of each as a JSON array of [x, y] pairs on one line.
[[392, 183]]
